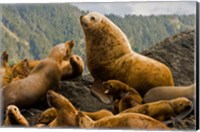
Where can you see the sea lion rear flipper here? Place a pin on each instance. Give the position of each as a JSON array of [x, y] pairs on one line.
[[99, 92]]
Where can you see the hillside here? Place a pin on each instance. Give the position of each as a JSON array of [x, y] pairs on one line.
[[30, 30]]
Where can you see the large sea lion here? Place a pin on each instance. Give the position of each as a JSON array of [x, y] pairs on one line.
[[14, 117], [121, 121], [123, 95], [109, 56], [170, 92], [46, 75], [162, 110]]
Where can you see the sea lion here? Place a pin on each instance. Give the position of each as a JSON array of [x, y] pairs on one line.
[[66, 112], [109, 56], [50, 114], [124, 96], [47, 116], [170, 92], [62, 106], [122, 121], [46, 75], [5, 70], [14, 117], [72, 67], [162, 110]]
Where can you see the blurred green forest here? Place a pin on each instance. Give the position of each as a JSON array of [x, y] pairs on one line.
[[30, 30]]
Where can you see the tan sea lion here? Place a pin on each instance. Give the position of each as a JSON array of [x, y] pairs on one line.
[[123, 95], [109, 56], [170, 92], [50, 114], [46, 75], [123, 121], [47, 116], [14, 117], [66, 112], [72, 67], [161, 110], [62, 106], [5, 71]]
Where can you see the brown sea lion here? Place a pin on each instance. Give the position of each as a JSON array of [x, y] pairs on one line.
[[14, 117], [5, 71], [161, 110], [170, 92], [109, 56], [46, 75], [124, 96], [72, 67], [123, 121]]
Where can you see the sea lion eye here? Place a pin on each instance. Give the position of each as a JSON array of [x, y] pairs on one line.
[[92, 18]]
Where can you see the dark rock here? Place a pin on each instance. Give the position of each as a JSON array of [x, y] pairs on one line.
[[177, 52]]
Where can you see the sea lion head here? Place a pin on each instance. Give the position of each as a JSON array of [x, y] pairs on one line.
[[83, 120], [115, 86], [180, 104], [63, 50], [59, 102], [91, 21], [12, 112], [75, 58]]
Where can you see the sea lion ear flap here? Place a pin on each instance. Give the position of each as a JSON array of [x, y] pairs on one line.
[[4, 56], [26, 63], [71, 43]]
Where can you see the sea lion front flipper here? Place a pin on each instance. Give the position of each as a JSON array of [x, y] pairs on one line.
[[99, 92]]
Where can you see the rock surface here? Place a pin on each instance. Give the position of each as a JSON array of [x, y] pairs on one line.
[[177, 52]]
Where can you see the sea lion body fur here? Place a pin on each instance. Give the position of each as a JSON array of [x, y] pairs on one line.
[[121, 121], [170, 92]]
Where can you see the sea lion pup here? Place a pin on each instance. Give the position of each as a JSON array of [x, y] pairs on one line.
[[170, 92], [72, 68], [5, 70], [127, 120], [109, 56], [33, 63], [14, 117], [161, 110], [123, 95], [46, 75], [66, 112], [21, 70]]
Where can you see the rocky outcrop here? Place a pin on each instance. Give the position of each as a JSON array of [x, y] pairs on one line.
[[177, 52]]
